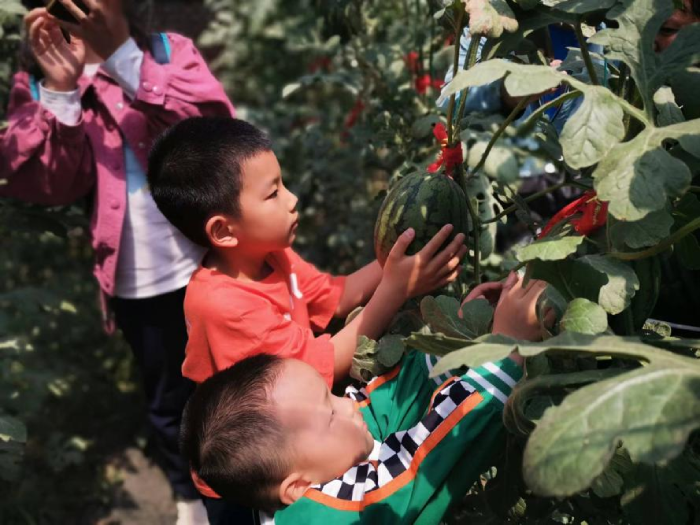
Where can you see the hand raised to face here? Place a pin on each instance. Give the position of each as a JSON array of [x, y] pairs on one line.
[[104, 28], [61, 62]]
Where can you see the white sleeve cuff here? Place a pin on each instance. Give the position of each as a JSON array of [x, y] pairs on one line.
[[124, 66], [65, 105]]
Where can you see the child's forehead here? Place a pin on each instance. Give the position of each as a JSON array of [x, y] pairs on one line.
[[262, 164], [299, 384]]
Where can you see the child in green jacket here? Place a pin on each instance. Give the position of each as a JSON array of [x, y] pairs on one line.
[[400, 450]]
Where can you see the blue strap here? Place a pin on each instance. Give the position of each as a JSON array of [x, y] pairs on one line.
[[160, 48], [34, 87]]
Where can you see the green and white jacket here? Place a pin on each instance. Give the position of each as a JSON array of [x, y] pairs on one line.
[[433, 437]]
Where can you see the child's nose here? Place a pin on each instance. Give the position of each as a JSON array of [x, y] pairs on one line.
[[293, 202]]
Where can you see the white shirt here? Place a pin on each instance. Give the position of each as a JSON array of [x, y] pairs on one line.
[[154, 257]]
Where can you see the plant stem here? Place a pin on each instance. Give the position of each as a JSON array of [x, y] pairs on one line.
[[513, 269], [634, 112], [469, 62], [476, 226], [535, 116], [623, 81], [513, 115], [628, 321], [661, 246], [531, 198], [455, 66], [584, 52], [431, 46]]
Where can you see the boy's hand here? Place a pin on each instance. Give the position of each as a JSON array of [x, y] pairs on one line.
[[490, 291], [412, 275], [516, 313]]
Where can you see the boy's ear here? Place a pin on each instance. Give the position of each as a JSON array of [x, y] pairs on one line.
[[293, 487], [220, 231]]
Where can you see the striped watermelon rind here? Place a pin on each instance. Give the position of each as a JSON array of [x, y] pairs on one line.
[[425, 202]]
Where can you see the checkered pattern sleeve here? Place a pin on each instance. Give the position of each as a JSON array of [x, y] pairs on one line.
[[419, 471]]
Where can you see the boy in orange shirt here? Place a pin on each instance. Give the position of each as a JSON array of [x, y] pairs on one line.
[[218, 181]]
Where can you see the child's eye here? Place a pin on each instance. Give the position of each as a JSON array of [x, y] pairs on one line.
[[273, 195], [668, 31]]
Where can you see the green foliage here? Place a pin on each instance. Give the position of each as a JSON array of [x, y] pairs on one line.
[[374, 358], [610, 422], [585, 317], [68, 399], [11, 12]]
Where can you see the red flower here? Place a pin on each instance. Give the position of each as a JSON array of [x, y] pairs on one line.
[[413, 62], [593, 215], [354, 114], [450, 156], [321, 63], [423, 82]]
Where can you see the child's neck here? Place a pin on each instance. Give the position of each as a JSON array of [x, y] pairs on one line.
[[239, 265]]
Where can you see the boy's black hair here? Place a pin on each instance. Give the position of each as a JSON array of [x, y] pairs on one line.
[[194, 170], [231, 438]]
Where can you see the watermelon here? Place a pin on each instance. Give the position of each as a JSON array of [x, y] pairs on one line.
[[425, 202]]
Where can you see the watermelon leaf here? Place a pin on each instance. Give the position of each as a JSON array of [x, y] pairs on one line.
[[550, 249], [645, 232], [593, 130], [617, 293], [441, 315], [477, 316], [585, 317], [435, 344], [574, 442]]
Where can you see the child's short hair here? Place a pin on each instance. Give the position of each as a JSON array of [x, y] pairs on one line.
[[231, 438], [194, 170]]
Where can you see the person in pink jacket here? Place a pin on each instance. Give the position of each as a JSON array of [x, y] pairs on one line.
[[83, 125]]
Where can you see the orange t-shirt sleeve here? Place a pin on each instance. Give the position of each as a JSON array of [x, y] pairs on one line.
[[259, 328], [322, 291]]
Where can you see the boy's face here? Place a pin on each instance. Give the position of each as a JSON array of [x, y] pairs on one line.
[[326, 434], [268, 218], [669, 30]]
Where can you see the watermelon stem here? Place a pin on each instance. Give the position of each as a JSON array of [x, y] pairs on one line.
[[476, 226], [513, 115], [660, 246], [468, 63], [459, 25], [583, 46], [531, 198]]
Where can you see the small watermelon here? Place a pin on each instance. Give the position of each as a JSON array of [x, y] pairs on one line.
[[425, 202]]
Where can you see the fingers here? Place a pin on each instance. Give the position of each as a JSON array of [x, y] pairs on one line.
[[73, 29], [55, 36], [455, 247], [550, 317], [480, 291], [450, 278], [533, 284], [511, 281], [32, 15], [438, 240], [401, 244], [534, 288], [38, 37], [74, 10]]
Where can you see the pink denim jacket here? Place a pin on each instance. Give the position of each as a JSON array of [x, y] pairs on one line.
[[47, 162]]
